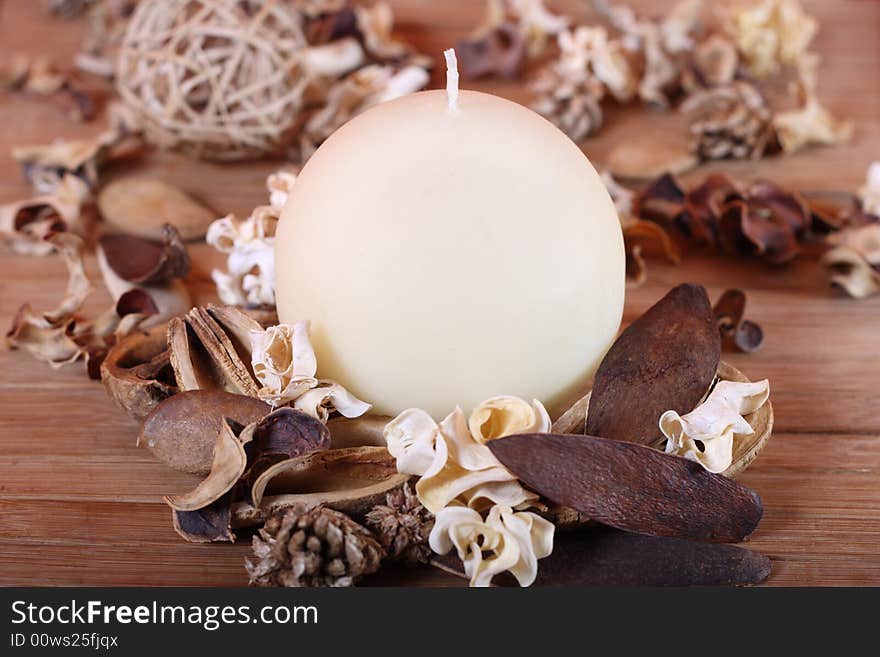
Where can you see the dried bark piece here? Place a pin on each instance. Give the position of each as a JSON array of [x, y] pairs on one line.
[[351, 480], [143, 206], [500, 50], [747, 448], [181, 430], [207, 525], [632, 487], [608, 557], [211, 350], [664, 360], [228, 465], [137, 374], [145, 261], [737, 332]]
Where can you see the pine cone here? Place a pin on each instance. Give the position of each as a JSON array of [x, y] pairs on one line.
[[730, 121], [316, 547], [402, 526], [571, 105]]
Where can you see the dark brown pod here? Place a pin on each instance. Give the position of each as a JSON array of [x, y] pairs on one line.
[[213, 523], [632, 487], [665, 360], [146, 262], [608, 557]]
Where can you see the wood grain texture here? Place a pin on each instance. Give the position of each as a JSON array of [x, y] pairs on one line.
[[81, 504]]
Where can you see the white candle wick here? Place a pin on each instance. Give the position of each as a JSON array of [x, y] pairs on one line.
[[451, 78]]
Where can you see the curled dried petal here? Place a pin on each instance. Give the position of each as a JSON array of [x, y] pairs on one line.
[[707, 433], [329, 397], [848, 270], [283, 361], [506, 415]]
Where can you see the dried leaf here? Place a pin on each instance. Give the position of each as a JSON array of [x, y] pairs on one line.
[[228, 465], [207, 525], [182, 430], [736, 331], [632, 487], [144, 261], [608, 557], [664, 360], [143, 206]]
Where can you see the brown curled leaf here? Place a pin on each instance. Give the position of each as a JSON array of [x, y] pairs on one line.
[[207, 525], [665, 360], [602, 556], [632, 487], [753, 229], [181, 430], [228, 465], [662, 201], [704, 206], [145, 262], [500, 50], [736, 331]]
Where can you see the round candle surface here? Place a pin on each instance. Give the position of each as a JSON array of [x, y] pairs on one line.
[[447, 255]]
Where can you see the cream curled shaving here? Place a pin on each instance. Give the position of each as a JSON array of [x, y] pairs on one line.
[[452, 459], [505, 541], [285, 366], [707, 433]]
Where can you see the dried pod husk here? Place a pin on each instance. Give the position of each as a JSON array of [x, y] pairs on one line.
[[651, 154], [210, 350], [143, 206], [745, 448], [834, 210], [207, 525], [665, 360], [145, 261], [704, 204], [137, 374], [603, 556], [363, 431], [661, 201], [227, 467], [736, 331], [351, 480], [632, 487], [182, 430]]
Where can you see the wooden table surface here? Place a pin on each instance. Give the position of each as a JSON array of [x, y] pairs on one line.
[[81, 505]]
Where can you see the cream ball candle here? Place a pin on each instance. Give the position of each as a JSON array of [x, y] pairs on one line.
[[448, 247]]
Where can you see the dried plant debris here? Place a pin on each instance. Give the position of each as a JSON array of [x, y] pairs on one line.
[[137, 374], [666, 359], [39, 77], [870, 192], [853, 262], [607, 557], [182, 430], [730, 121], [26, 226], [313, 548], [758, 219], [497, 50], [61, 335], [632, 487], [209, 524], [736, 331], [402, 525], [143, 206], [144, 261]]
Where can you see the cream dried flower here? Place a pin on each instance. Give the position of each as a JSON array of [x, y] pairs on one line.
[[280, 184], [504, 541], [285, 366], [771, 33], [587, 50], [452, 459], [870, 193], [706, 434]]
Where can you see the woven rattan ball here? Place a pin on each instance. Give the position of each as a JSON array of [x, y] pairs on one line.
[[218, 79]]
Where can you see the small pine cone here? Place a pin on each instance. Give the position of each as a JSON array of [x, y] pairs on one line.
[[402, 526], [573, 106], [730, 121], [314, 547]]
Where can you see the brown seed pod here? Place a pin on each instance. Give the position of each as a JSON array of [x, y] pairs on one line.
[[665, 360], [144, 261], [632, 487], [182, 430]]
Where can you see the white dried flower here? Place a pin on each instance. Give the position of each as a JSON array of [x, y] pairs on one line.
[[285, 366], [280, 184], [504, 541], [706, 434]]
